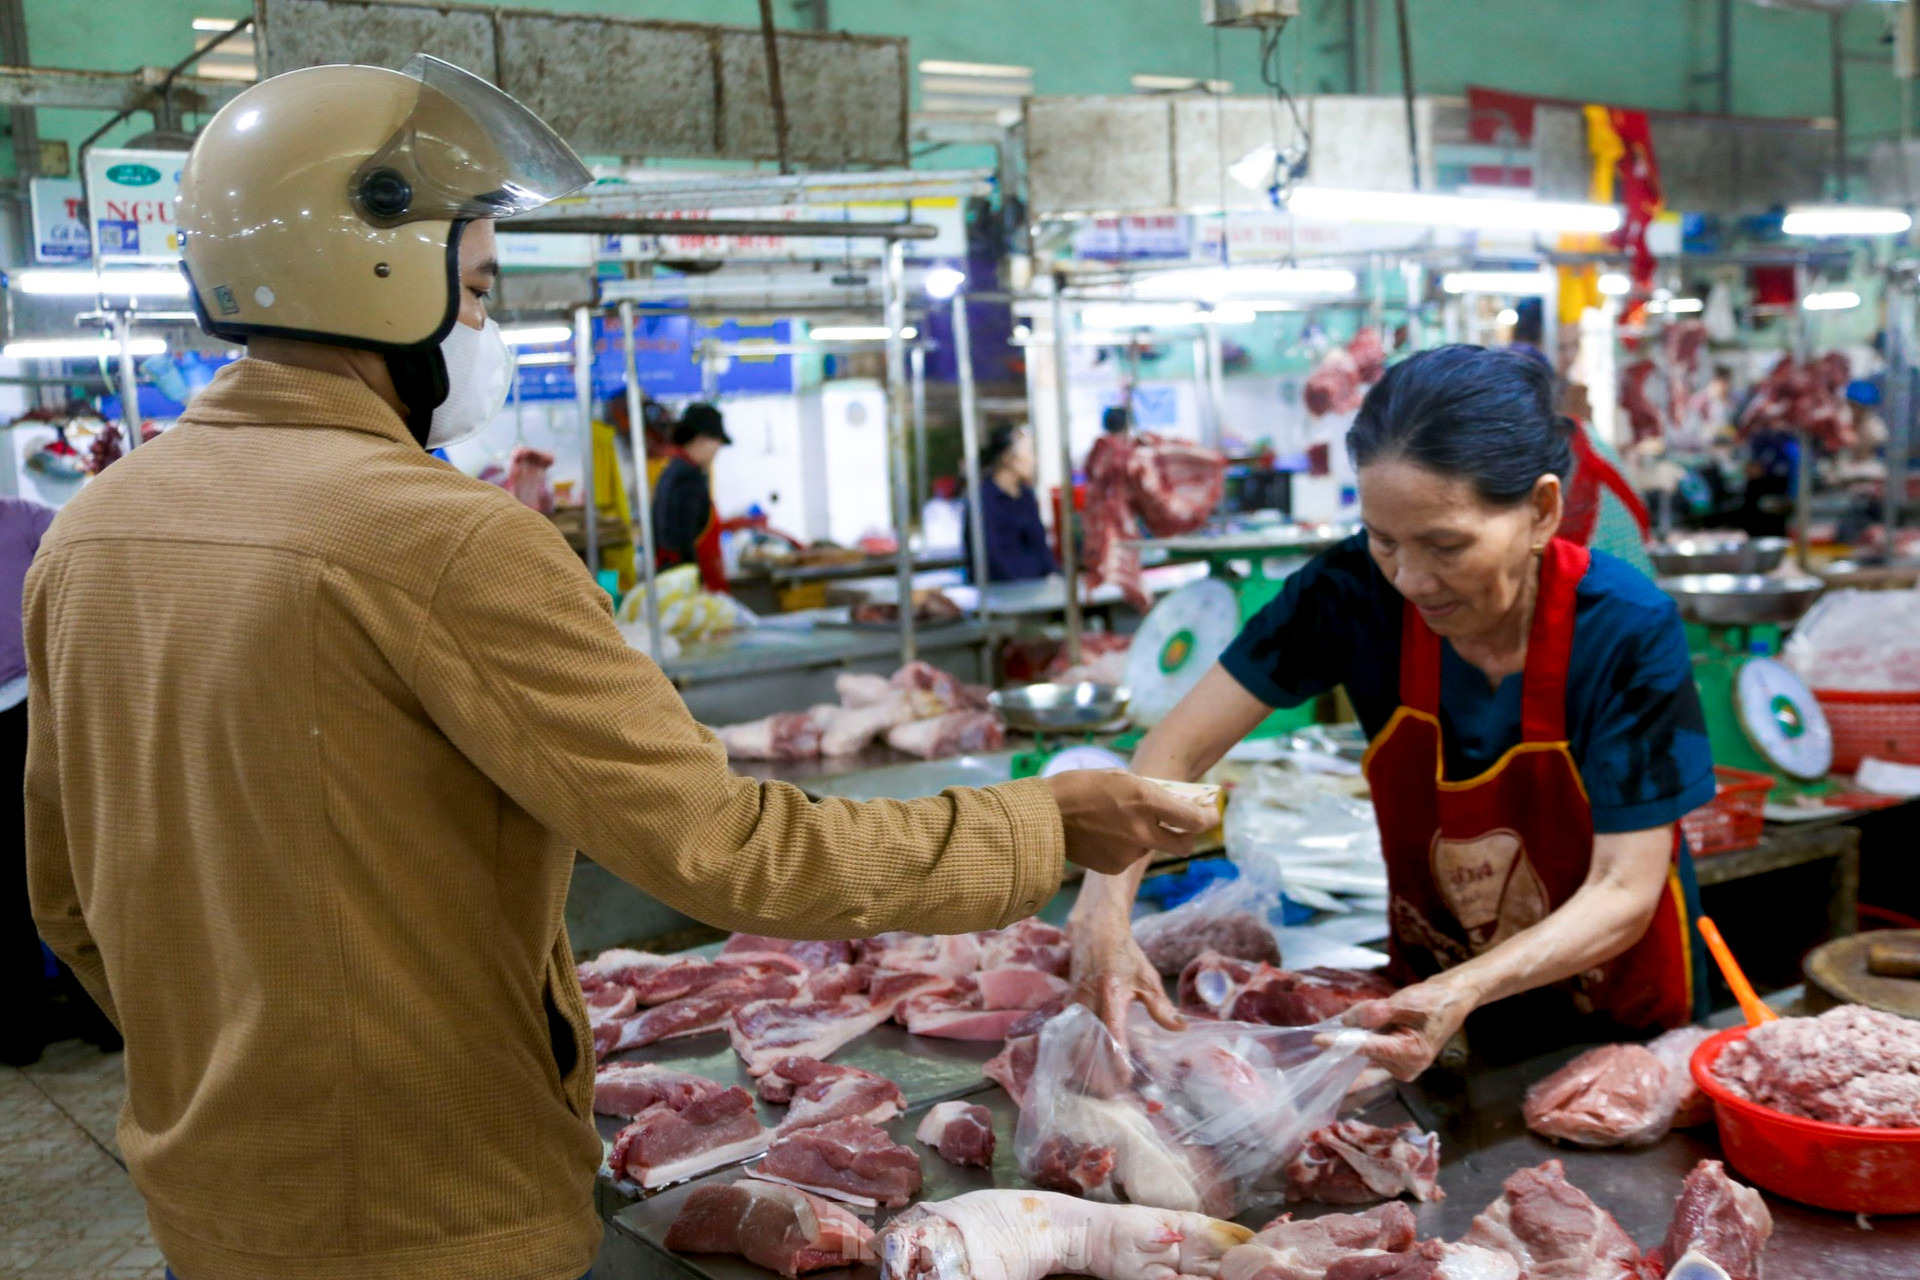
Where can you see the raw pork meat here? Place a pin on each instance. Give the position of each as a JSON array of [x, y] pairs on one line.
[[944, 955], [706, 1010], [957, 1014], [1174, 939], [1606, 1097], [960, 1132], [777, 1227], [1019, 988], [527, 479], [852, 731], [935, 692], [856, 691], [785, 735], [812, 955], [688, 1133], [1026, 1235], [1027, 944], [1553, 1230], [1310, 1250], [612, 1001], [818, 1092], [1851, 1065], [958, 733], [628, 1088], [1012, 1067], [1621, 1094], [1239, 991], [1171, 486], [618, 965], [1113, 1150], [768, 1030], [1352, 1162], [1719, 1220], [846, 1160]]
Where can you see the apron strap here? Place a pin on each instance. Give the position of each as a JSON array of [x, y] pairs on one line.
[[1543, 706], [1419, 662]]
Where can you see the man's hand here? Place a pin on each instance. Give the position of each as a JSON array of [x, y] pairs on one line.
[[1413, 1024], [1112, 819]]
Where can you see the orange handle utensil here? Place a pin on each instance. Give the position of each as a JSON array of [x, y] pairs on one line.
[[1750, 1004]]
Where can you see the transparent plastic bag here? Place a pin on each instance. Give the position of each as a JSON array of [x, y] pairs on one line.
[[1202, 1120], [1863, 641], [1287, 833], [1233, 916]]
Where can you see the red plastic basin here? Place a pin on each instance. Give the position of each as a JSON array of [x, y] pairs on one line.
[[1829, 1166]]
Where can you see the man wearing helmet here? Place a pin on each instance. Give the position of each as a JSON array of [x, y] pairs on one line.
[[316, 723]]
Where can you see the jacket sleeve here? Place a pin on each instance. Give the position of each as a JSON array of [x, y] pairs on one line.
[[50, 884], [521, 666]]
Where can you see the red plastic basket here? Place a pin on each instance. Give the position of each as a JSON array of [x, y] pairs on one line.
[[1830, 1166], [1883, 725], [1734, 818]]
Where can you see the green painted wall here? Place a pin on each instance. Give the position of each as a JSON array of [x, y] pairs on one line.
[[1631, 52]]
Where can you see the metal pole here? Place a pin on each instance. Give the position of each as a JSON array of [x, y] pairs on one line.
[[642, 483], [917, 369], [129, 382], [775, 96], [970, 446], [1216, 386], [1202, 390], [583, 396], [1370, 59], [1836, 50], [1726, 57], [893, 292], [1900, 336], [1063, 402], [1803, 468], [1406, 88]]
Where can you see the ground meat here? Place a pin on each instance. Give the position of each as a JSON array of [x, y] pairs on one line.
[[1173, 939], [1851, 1065]]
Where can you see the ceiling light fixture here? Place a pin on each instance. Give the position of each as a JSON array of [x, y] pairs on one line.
[[1833, 300], [1527, 284], [159, 283], [536, 335]]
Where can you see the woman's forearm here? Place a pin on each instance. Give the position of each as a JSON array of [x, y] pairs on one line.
[[1605, 916]]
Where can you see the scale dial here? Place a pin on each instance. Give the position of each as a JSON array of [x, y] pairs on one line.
[[1783, 719], [1183, 635]]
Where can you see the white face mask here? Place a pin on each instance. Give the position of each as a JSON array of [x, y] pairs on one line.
[[479, 373]]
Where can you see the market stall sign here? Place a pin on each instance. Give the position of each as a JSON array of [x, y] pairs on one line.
[[131, 197], [943, 213], [666, 359], [59, 220]]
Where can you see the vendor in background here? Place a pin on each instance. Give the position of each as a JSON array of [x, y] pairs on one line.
[[1535, 731], [1017, 548], [311, 852], [30, 1012], [685, 529]]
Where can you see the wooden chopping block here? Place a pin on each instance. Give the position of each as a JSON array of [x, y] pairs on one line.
[[1843, 972]]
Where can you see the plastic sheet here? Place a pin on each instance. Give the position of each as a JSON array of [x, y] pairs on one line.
[[1859, 641], [1202, 1120], [1288, 833]]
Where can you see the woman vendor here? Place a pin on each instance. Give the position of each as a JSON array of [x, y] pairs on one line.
[[1535, 732]]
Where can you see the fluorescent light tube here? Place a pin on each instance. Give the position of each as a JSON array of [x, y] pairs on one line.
[[1845, 220], [78, 348], [160, 283], [1418, 209]]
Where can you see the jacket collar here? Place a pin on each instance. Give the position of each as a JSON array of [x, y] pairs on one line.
[[252, 392]]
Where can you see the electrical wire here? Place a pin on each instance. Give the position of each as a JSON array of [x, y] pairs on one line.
[[1293, 161]]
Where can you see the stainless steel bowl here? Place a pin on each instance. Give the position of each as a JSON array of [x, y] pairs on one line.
[[1738, 599], [1060, 708], [1718, 553]]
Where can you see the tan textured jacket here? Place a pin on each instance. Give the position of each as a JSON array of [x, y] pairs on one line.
[[317, 723]]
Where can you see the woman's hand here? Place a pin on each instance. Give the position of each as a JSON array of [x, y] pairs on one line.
[[1110, 971], [1413, 1024]]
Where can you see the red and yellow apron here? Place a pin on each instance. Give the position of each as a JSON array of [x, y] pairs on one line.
[[1470, 864]]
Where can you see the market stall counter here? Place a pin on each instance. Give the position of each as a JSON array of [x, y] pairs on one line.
[[1483, 1141]]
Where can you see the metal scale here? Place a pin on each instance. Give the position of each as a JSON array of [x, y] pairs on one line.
[[1760, 715]]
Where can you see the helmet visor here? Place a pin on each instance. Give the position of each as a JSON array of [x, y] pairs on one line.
[[467, 150]]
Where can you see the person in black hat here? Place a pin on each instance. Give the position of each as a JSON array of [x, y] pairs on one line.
[[684, 528]]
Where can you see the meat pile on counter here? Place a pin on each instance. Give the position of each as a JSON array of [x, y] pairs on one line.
[[1214, 986], [1851, 1065], [920, 710], [1622, 1094]]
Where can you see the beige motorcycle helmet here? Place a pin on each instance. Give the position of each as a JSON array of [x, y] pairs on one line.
[[327, 204]]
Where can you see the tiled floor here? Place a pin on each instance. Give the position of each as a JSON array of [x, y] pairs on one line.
[[67, 1210]]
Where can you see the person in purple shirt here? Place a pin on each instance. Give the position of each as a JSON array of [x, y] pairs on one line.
[[27, 1021]]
